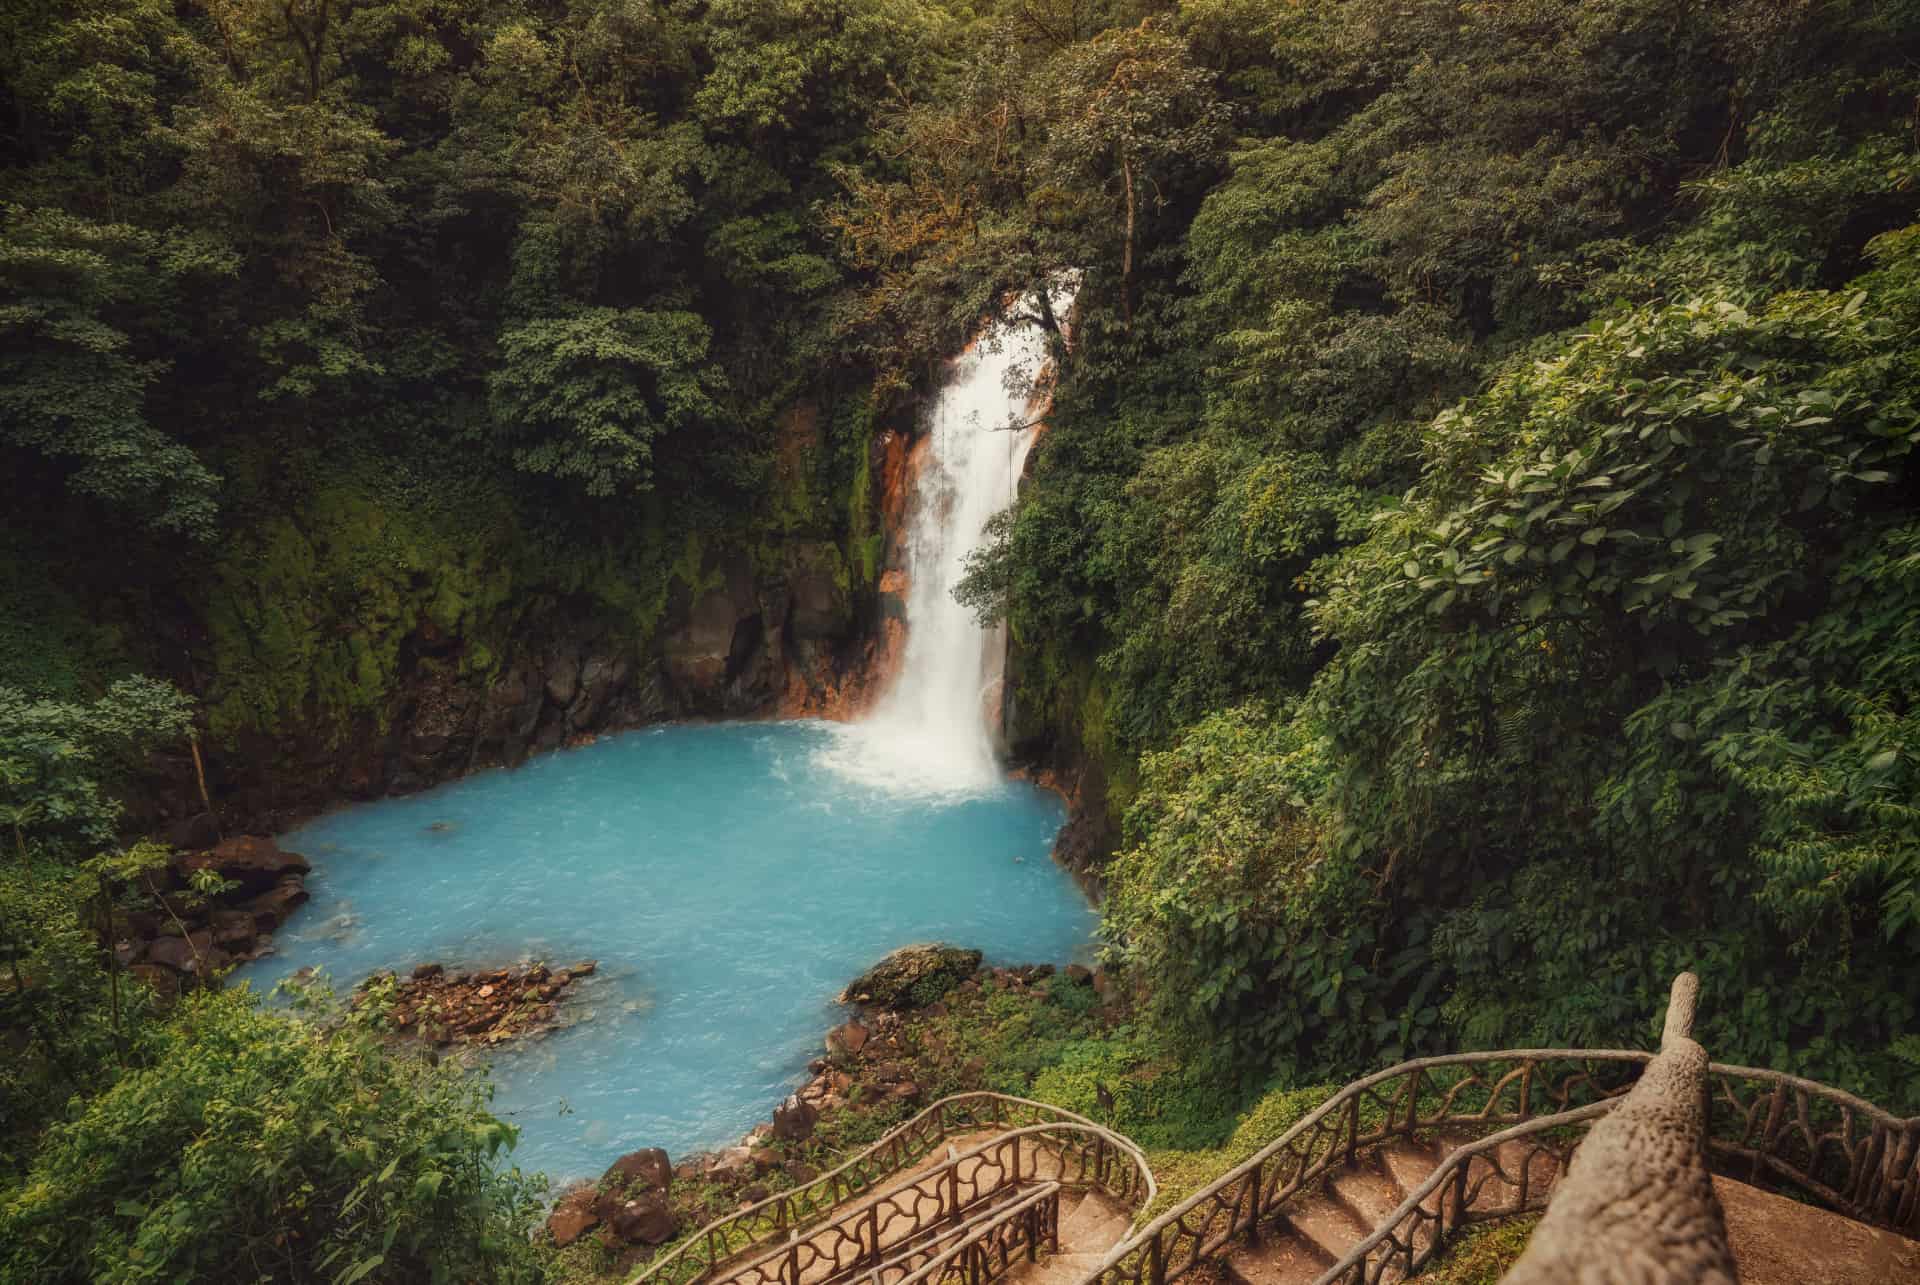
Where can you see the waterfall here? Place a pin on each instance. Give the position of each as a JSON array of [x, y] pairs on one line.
[[936, 726]]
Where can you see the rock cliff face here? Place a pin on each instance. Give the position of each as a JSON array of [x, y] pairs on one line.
[[787, 637], [798, 621]]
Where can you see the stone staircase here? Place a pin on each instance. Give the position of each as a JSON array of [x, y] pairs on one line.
[[1775, 1241], [1319, 1227], [1091, 1226], [1475, 1137]]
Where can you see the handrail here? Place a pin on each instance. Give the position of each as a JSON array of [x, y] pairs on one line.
[[1348, 1099], [967, 1230], [936, 1268], [1866, 1164], [857, 1241], [1637, 1202], [1871, 1173], [785, 1211], [1454, 1168], [1104, 1134]]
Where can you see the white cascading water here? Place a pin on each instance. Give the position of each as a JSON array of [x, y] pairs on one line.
[[934, 729]]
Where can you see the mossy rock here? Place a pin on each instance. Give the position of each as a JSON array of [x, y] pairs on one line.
[[912, 976]]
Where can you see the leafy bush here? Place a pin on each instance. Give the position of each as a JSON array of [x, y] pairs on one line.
[[254, 1146]]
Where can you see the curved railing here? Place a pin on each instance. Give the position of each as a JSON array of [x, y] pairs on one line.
[[1518, 1166], [929, 1207], [1468, 1090], [985, 1251], [902, 1147], [1763, 1125], [1845, 1151]]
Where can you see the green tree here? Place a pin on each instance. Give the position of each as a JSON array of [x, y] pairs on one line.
[[75, 387], [260, 1146], [60, 761], [583, 397]]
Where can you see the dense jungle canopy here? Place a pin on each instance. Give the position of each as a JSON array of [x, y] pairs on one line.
[[1474, 550]]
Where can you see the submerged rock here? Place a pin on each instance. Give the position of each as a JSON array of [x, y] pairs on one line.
[[912, 976]]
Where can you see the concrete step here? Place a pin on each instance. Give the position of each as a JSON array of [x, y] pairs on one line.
[[1409, 1163], [1776, 1241], [1297, 1247], [1368, 1189], [1059, 1269], [1096, 1225], [1280, 1258]]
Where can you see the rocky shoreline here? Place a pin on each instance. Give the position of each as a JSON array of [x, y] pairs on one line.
[[872, 1076], [183, 939]]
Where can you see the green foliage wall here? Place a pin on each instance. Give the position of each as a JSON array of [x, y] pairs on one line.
[[1475, 550]]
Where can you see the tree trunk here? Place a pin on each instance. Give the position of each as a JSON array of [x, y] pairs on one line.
[[1126, 247]]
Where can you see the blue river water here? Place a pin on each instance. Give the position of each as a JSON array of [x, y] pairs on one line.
[[728, 880]]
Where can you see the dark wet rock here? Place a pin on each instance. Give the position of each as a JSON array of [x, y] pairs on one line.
[[645, 1221], [793, 1120], [602, 678], [234, 930], [820, 606], [427, 972], [912, 976], [562, 679], [181, 953], [255, 863], [194, 833], [646, 1169], [733, 1164], [573, 1217], [1078, 974], [273, 907], [848, 1038]]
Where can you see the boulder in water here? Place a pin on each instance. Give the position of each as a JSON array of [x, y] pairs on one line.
[[912, 977], [271, 908]]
